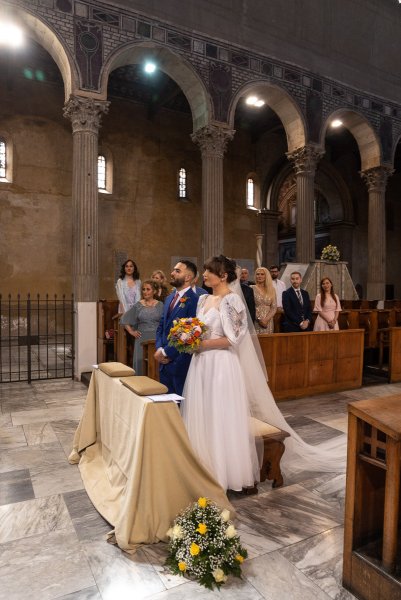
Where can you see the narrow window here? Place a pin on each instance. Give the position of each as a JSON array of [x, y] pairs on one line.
[[182, 184], [101, 172], [3, 163], [250, 193]]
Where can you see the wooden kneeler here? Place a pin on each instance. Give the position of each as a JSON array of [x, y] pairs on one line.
[[273, 450]]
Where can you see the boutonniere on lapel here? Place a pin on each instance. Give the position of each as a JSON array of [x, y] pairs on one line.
[[183, 300]]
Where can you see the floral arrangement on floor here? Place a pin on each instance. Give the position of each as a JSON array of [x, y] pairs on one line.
[[330, 253], [186, 334], [205, 545]]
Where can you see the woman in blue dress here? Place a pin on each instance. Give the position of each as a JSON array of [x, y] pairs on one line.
[[142, 320]]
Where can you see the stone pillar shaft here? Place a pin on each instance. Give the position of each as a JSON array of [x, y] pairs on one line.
[[85, 114], [269, 229], [212, 140], [376, 181], [305, 161]]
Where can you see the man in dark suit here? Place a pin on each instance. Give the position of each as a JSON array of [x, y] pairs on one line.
[[297, 307], [179, 304]]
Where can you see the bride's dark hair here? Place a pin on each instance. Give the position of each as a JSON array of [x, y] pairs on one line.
[[218, 265]]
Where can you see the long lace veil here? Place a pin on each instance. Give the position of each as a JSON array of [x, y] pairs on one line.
[[329, 456]]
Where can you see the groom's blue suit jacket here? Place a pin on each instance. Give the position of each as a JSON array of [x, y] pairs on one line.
[[174, 373]]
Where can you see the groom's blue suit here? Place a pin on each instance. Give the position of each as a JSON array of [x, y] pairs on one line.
[[173, 374]]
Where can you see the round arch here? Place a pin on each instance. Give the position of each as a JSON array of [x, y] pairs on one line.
[[282, 104], [42, 33], [180, 70], [363, 132]]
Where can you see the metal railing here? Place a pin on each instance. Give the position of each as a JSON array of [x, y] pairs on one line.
[[36, 338]]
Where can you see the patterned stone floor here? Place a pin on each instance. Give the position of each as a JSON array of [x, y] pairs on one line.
[[52, 540]]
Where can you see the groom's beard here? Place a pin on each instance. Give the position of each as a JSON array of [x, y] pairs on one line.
[[178, 282]]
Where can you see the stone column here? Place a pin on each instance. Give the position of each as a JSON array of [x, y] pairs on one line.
[[259, 251], [212, 140], [376, 181], [305, 161], [85, 115], [269, 229]]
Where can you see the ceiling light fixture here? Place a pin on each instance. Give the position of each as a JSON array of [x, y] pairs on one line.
[[11, 35], [336, 123], [254, 101], [149, 67]]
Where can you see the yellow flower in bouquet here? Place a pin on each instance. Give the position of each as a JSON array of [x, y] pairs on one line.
[[186, 334]]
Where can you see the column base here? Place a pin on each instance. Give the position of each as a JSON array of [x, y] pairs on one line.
[[85, 337]]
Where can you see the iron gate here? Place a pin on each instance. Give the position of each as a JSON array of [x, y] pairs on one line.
[[36, 338]]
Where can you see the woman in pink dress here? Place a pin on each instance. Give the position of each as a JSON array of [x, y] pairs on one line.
[[327, 305]]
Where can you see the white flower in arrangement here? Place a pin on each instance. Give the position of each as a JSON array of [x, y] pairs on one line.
[[177, 532], [225, 515], [231, 532], [184, 337], [219, 575], [330, 253]]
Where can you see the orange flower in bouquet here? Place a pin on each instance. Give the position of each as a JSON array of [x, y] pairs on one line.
[[186, 334]]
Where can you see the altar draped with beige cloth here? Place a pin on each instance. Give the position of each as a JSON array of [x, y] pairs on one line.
[[137, 463]]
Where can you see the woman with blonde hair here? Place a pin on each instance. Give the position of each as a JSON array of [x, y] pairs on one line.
[[265, 301], [161, 280]]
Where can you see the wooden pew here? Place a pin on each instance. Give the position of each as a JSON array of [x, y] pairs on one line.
[[391, 338], [106, 309]]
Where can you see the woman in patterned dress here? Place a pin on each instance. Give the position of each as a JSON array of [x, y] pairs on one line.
[[265, 301], [128, 286]]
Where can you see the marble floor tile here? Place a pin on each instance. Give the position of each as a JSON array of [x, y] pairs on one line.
[[39, 433], [90, 593], [15, 486], [255, 543], [31, 456], [320, 559], [234, 589], [5, 421], [12, 438], [289, 515], [55, 479], [44, 567], [33, 517], [26, 403], [121, 575], [276, 578], [88, 523], [46, 415], [339, 422], [311, 431], [156, 555]]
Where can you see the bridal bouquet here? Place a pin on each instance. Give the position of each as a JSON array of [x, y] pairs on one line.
[[205, 545], [330, 253], [186, 334]]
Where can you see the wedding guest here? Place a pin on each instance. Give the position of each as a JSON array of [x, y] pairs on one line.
[[142, 320], [244, 277], [162, 290], [327, 305], [128, 286], [265, 301], [297, 307], [180, 304], [279, 285]]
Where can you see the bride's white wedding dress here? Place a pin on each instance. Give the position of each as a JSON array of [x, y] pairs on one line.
[[224, 388], [215, 409]]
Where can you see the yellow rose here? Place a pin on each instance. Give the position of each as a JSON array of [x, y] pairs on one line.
[[231, 532], [219, 576], [182, 566], [202, 502], [239, 558], [225, 515], [202, 528], [194, 549]]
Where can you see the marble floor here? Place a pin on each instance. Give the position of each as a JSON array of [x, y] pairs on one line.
[[52, 540]]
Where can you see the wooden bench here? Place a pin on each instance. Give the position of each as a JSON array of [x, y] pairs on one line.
[[273, 450]]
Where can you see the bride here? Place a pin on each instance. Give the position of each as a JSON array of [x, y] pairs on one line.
[[227, 384]]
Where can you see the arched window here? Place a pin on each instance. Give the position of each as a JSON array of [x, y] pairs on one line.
[[101, 173], [3, 159], [182, 184], [250, 193]]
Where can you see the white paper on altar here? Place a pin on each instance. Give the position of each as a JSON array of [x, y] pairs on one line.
[[166, 398]]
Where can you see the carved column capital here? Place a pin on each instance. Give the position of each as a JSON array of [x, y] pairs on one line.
[[85, 113], [213, 140], [305, 159], [376, 178]]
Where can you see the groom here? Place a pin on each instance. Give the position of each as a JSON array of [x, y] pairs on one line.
[[181, 303]]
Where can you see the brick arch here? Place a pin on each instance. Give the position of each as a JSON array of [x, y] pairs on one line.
[[46, 37], [363, 131], [282, 104], [176, 67]]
